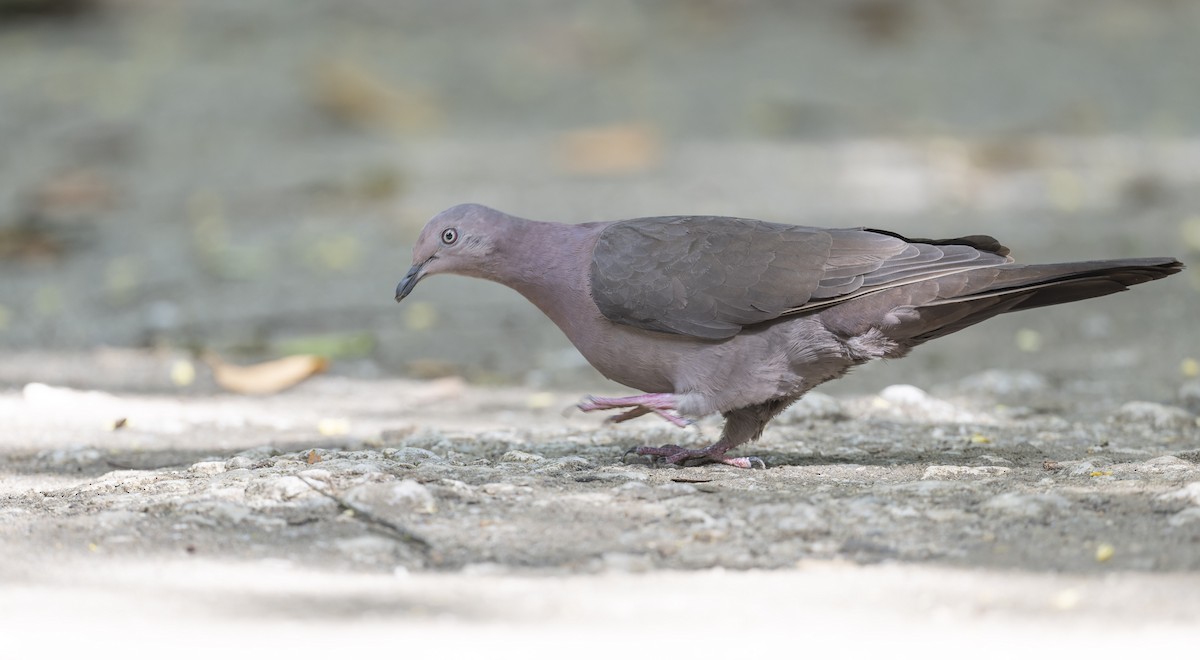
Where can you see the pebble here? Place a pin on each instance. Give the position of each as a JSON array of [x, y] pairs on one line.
[[412, 455], [562, 465], [963, 471], [208, 468], [518, 456], [1165, 465], [1189, 493], [70, 457], [1156, 415], [286, 488], [1026, 505], [316, 474], [498, 488], [406, 494], [914, 403], [239, 463]]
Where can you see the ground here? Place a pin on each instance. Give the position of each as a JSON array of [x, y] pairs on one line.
[[183, 179], [345, 505]]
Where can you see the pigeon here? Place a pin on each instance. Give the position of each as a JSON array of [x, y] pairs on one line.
[[741, 317]]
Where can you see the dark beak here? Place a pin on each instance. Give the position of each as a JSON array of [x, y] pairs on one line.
[[410, 280]]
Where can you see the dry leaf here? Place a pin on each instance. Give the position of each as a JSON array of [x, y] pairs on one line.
[[428, 369], [313, 457], [441, 389], [265, 377], [333, 427], [76, 191], [352, 93], [31, 240], [619, 149]]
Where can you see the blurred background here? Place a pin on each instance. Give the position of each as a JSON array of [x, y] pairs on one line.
[[246, 178]]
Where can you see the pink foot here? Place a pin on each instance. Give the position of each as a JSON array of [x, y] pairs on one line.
[[677, 455], [662, 405]]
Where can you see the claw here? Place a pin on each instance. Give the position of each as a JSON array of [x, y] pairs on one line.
[[676, 455]]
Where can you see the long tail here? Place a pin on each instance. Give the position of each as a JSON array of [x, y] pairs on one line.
[[988, 292]]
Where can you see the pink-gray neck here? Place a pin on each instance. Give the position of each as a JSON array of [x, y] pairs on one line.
[[549, 264]]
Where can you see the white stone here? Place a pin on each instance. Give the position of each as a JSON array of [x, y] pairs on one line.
[[518, 456], [412, 455], [287, 488], [407, 495], [1155, 415], [914, 403], [1189, 493], [963, 471], [208, 467]]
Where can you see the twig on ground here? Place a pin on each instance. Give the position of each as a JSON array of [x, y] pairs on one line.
[[366, 516]]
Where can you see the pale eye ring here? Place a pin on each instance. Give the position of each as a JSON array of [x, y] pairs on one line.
[[449, 236]]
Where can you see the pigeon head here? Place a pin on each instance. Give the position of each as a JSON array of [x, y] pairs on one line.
[[458, 240]]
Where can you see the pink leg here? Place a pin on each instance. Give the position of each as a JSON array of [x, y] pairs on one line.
[[715, 453], [661, 404], [741, 426]]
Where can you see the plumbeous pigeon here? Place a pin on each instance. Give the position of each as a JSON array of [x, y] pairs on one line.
[[742, 317]]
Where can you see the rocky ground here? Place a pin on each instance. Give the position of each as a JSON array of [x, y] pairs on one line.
[[439, 506], [184, 179]]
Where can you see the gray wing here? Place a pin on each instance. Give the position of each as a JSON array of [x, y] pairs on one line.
[[709, 277]]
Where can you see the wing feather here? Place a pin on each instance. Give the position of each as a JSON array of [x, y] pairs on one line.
[[709, 277]]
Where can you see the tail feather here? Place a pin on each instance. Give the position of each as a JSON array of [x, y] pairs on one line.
[[1019, 287], [1099, 278]]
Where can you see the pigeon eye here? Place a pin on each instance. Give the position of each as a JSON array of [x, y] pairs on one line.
[[450, 236]]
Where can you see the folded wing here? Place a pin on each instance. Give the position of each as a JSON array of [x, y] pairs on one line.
[[710, 277]]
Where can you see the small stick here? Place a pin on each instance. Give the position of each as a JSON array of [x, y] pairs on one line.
[[395, 530]]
